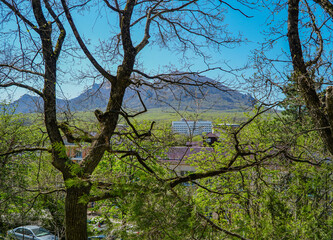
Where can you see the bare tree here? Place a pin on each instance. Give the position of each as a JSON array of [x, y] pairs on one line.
[[311, 61], [305, 66]]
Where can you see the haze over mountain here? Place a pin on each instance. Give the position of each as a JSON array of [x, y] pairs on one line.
[[178, 97]]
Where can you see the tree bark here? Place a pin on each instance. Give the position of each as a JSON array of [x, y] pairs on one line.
[[75, 204], [76, 213], [305, 82]]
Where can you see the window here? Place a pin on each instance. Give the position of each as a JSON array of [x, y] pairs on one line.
[[20, 230], [78, 154], [183, 173], [24, 231], [27, 232], [39, 232]]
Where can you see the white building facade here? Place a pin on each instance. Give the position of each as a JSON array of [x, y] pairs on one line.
[[192, 127]]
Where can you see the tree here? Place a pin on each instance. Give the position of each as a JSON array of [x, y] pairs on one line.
[[302, 75], [286, 196], [32, 62], [308, 70], [308, 37]]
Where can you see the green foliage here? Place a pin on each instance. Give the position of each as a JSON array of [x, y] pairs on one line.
[[276, 199], [283, 197], [60, 148], [140, 202], [24, 174], [12, 167]]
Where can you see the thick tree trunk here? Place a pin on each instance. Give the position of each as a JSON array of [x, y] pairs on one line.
[[76, 213], [306, 83]]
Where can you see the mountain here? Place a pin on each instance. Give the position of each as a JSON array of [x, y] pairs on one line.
[[32, 104], [214, 96]]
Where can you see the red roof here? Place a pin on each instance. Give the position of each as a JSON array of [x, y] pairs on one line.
[[179, 153], [211, 135]]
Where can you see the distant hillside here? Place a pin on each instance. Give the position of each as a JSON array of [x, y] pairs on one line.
[[178, 97], [32, 104]]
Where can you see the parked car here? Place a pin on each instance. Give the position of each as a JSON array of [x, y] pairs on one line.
[[30, 232], [96, 237]]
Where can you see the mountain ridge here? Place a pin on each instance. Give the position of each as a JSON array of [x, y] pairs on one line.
[[168, 96]]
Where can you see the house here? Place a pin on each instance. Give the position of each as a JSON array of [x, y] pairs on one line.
[[177, 158], [78, 151]]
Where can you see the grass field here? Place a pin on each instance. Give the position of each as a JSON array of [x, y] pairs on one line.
[[159, 115], [168, 115]]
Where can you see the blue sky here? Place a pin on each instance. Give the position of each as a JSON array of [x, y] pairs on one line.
[[155, 58]]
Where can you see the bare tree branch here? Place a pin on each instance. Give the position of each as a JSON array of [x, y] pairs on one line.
[[62, 34], [18, 13], [116, 9], [83, 46], [222, 170], [326, 5], [318, 32], [21, 70], [25, 149], [236, 9], [5, 85]]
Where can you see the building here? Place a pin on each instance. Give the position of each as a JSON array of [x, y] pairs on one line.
[[78, 151], [177, 158], [189, 127]]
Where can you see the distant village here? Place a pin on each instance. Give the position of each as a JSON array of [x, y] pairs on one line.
[[176, 156]]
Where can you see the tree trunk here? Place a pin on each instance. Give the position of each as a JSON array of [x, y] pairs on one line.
[[306, 83], [76, 213]]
